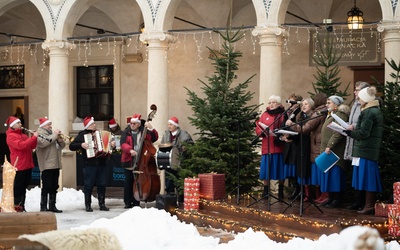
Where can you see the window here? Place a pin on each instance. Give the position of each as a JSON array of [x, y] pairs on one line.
[[95, 92]]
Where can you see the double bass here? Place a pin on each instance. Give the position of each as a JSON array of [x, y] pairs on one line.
[[146, 183]]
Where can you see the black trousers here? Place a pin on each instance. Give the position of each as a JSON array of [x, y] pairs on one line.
[[129, 198], [49, 179], [21, 183]]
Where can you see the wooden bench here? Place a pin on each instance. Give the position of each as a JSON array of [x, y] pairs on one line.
[[12, 225]]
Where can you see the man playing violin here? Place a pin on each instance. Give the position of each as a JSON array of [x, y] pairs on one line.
[[94, 168], [21, 147], [130, 139], [48, 151]]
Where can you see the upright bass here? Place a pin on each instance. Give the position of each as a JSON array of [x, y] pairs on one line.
[[146, 183]]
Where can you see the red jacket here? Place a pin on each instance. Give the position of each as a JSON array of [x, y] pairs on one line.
[[21, 146], [268, 118]]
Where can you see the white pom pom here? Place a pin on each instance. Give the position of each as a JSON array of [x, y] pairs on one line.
[[5, 124]]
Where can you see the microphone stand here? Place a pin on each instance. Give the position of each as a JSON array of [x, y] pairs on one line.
[[267, 132], [238, 170], [301, 194]]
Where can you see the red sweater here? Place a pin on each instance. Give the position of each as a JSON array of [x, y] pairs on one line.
[[268, 119]]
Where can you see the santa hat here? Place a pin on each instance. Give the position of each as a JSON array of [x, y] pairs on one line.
[[43, 121], [11, 121], [136, 118], [367, 94], [112, 123], [88, 121], [174, 121]]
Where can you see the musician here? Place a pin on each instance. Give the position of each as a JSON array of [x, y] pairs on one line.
[[178, 138], [130, 139], [21, 147], [114, 127], [48, 153], [94, 169]]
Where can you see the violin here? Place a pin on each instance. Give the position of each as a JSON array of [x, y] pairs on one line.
[[146, 184]]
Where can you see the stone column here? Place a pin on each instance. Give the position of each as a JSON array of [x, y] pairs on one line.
[[391, 44], [58, 100], [157, 86], [270, 62]]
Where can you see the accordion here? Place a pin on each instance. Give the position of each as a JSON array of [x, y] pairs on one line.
[[99, 143]]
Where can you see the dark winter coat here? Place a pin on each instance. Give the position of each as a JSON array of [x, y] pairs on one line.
[[368, 132], [76, 146]]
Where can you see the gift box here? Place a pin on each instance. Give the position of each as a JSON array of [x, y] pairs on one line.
[[212, 186], [191, 194], [394, 219], [396, 193], [381, 209]]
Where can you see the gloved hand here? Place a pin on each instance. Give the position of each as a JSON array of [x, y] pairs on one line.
[[348, 132]]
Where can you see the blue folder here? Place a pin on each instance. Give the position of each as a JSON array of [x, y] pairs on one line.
[[325, 161]]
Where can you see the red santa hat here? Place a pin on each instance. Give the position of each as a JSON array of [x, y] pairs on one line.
[[136, 118], [88, 121], [11, 121], [43, 121], [174, 121], [112, 123]]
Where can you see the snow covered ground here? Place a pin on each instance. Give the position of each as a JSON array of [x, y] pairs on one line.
[[140, 228]]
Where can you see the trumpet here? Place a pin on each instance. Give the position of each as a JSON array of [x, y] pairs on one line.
[[66, 137], [39, 135]]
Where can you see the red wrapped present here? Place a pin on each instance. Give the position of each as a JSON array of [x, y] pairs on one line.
[[212, 186], [191, 194], [394, 219], [396, 193], [381, 209]]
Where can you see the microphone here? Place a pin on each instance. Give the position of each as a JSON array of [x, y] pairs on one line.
[[293, 102], [323, 112]]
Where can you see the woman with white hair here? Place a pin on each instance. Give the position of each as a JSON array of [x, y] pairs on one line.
[[334, 181], [367, 137], [272, 164]]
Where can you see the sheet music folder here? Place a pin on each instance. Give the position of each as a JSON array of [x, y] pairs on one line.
[[326, 161], [285, 132]]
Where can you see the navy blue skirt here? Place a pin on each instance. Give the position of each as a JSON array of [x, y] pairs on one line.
[[276, 169], [289, 170], [366, 176], [333, 180]]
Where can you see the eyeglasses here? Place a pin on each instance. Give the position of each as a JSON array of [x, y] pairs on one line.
[[272, 102]]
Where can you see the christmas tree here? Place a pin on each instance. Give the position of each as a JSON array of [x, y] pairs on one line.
[[390, 156], [225, 123], [327, 79]]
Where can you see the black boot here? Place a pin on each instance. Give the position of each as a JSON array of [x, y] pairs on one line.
[[43, 203], [280, 192], [88, 202], [102, 203], [296, 191], [265, 191], [52, 204]]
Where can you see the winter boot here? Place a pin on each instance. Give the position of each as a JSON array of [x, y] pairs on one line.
[[43, 203], [370, 199], [22, 204], [317, 192], [322, 198], [360, 201], [88, 202], [280, 192], [265, 192], [307, 193], [102, 203], [52, 204], [296, 191]]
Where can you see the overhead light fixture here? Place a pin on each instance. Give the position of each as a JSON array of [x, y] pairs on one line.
[[355, 18]]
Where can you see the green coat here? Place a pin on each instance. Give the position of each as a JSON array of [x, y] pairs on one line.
[[335, 141], [368, 132]]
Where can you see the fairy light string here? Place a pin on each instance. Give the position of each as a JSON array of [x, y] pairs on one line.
[[201, 38]]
